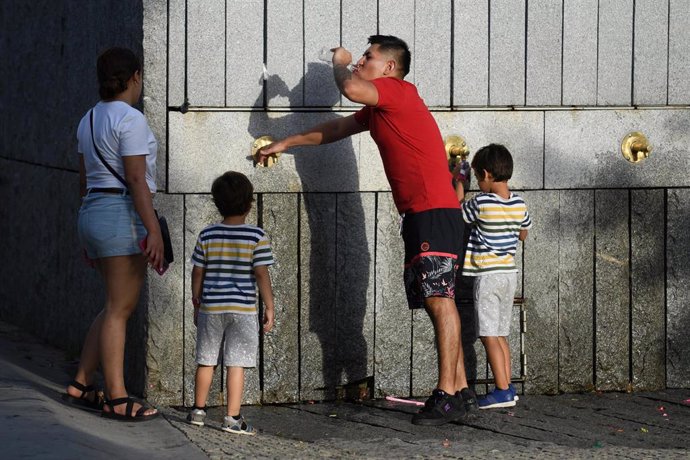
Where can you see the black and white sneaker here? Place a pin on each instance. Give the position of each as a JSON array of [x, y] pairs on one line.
[[439, 409]]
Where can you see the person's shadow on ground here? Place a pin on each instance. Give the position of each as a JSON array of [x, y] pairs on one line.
[[339, 261]]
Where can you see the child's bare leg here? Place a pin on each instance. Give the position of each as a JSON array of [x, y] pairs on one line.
[[202, 384], [235, 388], [503, 341], [495, 356]]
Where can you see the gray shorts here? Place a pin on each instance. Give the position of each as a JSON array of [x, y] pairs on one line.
[[493, 300], [241, 334]]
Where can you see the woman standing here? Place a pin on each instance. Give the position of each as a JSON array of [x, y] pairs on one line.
[[114, 139]]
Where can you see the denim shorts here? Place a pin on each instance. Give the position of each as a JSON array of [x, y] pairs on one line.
[[109, 225]]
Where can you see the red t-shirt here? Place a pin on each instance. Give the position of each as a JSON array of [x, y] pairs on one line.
[[411, 147]]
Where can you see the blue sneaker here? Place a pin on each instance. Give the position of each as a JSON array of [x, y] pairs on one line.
[[512, 388], [497, 398]]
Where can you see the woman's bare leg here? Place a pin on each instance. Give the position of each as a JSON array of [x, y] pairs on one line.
[[123, 277]]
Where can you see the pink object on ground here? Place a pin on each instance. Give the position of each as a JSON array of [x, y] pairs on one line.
[[404, 401]]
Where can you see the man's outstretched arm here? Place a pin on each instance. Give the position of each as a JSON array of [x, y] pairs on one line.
[[325, 133]]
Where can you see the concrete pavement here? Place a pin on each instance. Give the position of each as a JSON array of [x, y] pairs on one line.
[[34, 423]]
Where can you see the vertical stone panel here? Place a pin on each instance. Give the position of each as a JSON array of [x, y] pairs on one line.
[[471, 53], [650, 82], [614, 78], [612, 289], [176, 49], [206, 54], [358, 21], [677, 293], [580, 52], [355, 269], [166, 312], [424, 356], [281, 347], [432, 51], [317, 296], [321, 28], [199, 213], [576, 290], [285, 47], [393, 318], [396, 17], [507, 52], [541, 290], [678, 58], [648, 283], [544, 31], [244, 53], [514, 344], [155, 79]]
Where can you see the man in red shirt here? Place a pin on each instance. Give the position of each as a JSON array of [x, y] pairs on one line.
[[414, 160]]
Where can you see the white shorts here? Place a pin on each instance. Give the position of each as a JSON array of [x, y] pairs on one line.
[[241, 335], [493, 300]]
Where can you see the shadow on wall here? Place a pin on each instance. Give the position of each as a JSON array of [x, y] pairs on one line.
[[336, 300]]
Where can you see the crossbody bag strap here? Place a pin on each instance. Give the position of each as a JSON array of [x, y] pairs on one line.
[[105, 163]]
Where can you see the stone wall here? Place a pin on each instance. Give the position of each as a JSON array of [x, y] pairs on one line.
[[559, 83]]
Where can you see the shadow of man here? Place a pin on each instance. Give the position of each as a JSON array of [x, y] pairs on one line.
[[334, 296]]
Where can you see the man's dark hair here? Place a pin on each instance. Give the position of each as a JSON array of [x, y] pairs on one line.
[[389, 43], [232, 193], [496, 159], [115, 66]]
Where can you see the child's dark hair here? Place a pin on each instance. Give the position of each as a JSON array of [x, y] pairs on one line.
[[397, 46], [233, 194], [115, 66], [496, 159]]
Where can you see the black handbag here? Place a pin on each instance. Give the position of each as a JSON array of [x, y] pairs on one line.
[[168, 257]]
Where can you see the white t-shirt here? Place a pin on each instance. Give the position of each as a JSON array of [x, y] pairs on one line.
[[119, 130]]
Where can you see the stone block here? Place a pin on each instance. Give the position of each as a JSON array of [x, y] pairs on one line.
[[225, 138], [321, 29], [515, 345], [199, 212], [355, 282], [678, 59], [167, 317], [647, 289], [612, 291], [358, 21], [507, 53], [155, 79], [280, 218], [206, 52], [177, 69], [397, 17], [244, 54], [650, 63], [432, 46], [580, 52], [677, 294], [614, 78], [471, 53], [521, 132], [372, 177], [601, 163], [544, 48], [541, 290], [285, 51], [424, 355], [576, 290], [319, 375], [393, 318]]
